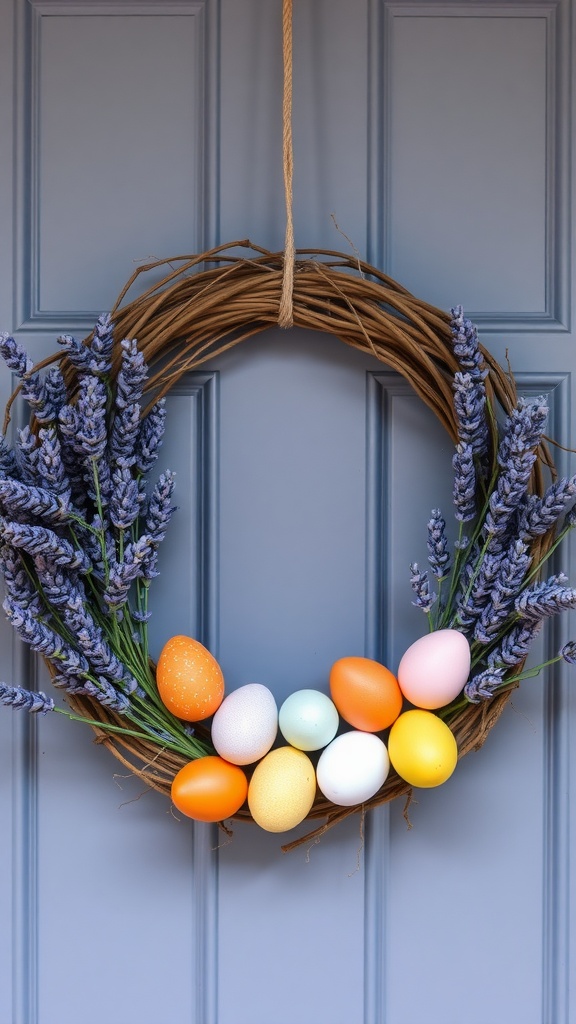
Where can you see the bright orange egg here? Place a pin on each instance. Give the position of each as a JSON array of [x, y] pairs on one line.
[[189, 679], [209, 789], [366, 693]]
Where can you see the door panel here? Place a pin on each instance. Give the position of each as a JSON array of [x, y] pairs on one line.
[[433, 140]]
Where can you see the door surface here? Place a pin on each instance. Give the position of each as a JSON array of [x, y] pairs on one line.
[[434, 140]]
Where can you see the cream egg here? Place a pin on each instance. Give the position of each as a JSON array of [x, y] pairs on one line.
[[245, 725]]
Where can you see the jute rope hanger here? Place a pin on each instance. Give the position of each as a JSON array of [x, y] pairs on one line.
[[285, 313]]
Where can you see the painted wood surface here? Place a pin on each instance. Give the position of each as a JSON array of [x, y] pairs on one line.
[[434, 138]]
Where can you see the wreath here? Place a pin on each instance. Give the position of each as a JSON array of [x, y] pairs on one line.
[[81, 524]]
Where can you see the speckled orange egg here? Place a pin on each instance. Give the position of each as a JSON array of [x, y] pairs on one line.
[[189, 679]]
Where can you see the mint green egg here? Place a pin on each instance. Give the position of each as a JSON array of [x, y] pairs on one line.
[[308, 719]]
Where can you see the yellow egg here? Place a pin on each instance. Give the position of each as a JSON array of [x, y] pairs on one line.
[[282, 789], [422, 749]]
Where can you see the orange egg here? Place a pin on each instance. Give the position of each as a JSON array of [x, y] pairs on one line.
[[209, 789], [189, 679], [366, 693]]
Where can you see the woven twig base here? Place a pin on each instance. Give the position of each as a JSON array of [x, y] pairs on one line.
[[209, 303]]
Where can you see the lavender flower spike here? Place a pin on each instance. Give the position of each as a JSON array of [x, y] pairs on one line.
[[466, 345], [420, 586], [469, 405], [25, 502], [150, 437], [14, 356], [541, 600], [438, 555], [484, 685], [464, 492], [17, 697], [568, 652], [39, 540]]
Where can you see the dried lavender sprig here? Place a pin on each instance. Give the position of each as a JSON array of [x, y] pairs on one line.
[[150, 437], [33, 387], [14, 355], [524, 429], [122, 574], [421, 587], [8, 462], [44, 640], [30, 700], [18, 584], [546, 598], [27, 455], [478, 577], [438, 554], [125, 499], [160, 508], [466, 345], [93, 358], [24, 502], [568, 652], [87, 634], [506, 499], [512, 569], [50, 466], [464, 491], [85, 423], [515, 646], [39, 540], [106, 694], [484, 685], [469, 407], [127, 396], [540, 514]]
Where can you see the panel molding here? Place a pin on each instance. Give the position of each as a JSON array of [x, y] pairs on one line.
[[383, 388], [556, 315], [32, 14]]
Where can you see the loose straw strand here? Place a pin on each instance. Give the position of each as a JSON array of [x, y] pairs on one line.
[[285, 313]]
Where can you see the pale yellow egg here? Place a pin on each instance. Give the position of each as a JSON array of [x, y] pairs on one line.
[[282, 789]]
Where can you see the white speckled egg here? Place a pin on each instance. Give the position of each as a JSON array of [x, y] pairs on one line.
[[245, 725], [352, 768], [435, 668], [308, 719]]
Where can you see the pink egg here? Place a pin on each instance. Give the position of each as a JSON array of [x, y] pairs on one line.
[[435, 668]]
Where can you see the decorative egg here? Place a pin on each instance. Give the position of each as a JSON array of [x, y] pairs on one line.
[[422, 749], [308, 719], [435, 668], [245, 725], [209, 789], [352, 768], [282, 789], [365, 692], [189, 679]]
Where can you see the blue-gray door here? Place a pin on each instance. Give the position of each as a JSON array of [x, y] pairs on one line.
[[435, 139]]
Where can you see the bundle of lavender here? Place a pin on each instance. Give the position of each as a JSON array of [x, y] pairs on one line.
[[493, 592], [80, 529]]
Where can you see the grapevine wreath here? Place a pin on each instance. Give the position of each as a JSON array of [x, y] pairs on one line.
[[80, 525]]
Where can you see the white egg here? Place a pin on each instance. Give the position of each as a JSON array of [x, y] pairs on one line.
[[435, 668], [308, 719], [245, 725], [352, 768]]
